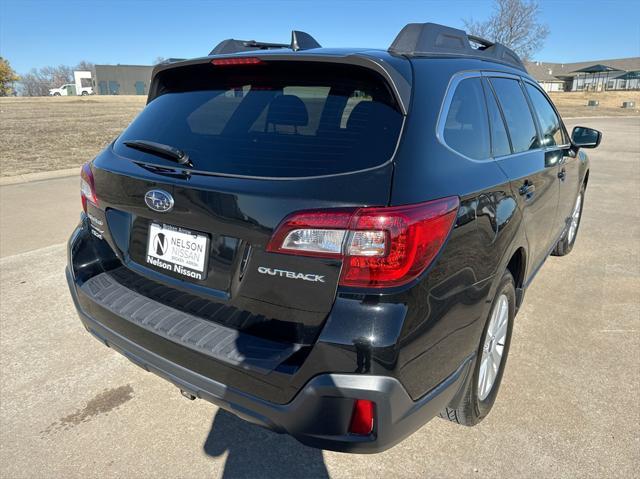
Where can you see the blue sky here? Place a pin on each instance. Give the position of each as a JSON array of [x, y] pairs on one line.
[[39, 33]]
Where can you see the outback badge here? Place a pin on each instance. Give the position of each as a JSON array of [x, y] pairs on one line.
[[315, 278]]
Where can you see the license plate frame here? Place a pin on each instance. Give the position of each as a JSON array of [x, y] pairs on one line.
[[180, 251]]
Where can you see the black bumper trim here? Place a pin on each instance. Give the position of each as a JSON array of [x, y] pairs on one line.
[[206, 337], [325, 399]]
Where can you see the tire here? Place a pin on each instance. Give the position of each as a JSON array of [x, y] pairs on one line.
[[56, 94], [568, 238], [84, 93], [475, 402]]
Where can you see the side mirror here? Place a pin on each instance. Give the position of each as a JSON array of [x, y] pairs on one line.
[[583, 137]]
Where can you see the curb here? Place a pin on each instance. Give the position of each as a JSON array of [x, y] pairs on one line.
[[40, 176]]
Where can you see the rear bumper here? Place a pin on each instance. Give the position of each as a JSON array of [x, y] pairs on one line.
[[318, 415]]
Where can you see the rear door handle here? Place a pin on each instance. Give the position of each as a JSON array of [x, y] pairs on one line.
[[527, 189]]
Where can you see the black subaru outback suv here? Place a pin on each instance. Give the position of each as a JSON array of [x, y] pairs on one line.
[[329, 243]]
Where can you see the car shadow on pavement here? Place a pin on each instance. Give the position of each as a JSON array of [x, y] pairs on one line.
[[256, 452]]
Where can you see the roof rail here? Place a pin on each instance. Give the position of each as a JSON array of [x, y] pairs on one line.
[[299, 41], [417, 39]]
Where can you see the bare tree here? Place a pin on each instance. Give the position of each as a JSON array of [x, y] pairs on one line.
[[84, 66], [33, 84], [57, 76], [38, 81], [514, 23]]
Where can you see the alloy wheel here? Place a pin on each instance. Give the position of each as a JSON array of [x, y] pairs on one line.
[[575, 219], [493, 348]]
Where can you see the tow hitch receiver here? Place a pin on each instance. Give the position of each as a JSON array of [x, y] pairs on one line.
[[188, 395]]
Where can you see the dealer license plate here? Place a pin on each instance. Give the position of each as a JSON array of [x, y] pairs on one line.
[[178, 250]]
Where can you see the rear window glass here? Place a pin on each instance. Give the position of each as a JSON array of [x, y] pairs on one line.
[[271, 120]]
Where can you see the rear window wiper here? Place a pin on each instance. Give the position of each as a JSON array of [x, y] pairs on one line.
[[158, 149]]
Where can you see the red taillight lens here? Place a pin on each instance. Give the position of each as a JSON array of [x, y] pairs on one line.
[[87, 187], [416, 233], [236, 61], [380, 247], [362, 418]]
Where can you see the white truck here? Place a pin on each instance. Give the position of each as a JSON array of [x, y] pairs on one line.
[[82, 86]]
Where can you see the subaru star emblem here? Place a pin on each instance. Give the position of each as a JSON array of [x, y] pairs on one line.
[[159, 200]]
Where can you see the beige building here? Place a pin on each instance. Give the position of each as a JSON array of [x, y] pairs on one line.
[[121, 79], [598, 75]]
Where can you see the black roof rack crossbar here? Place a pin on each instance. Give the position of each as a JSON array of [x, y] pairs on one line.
[[484, 43], [232, 45], [421, 39], [264, 45], [299, 41]]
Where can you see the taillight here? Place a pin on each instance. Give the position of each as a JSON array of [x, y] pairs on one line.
[[87, 187], [312, 233], [362, 417], [380, 247], [236, 61]]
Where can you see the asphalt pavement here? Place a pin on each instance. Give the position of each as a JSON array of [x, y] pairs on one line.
[[568, 406]]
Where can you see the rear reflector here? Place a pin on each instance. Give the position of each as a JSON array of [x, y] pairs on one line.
[[87, 187], [362, 418], [380, 247], [236, 61]]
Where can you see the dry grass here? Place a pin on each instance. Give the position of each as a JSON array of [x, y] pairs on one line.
[[574, 103], [44, 134]]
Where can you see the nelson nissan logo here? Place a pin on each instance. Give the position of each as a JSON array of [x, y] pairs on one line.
[[159, 200], [160, 244]]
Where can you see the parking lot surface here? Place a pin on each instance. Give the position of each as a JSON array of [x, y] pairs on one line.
[[568, 406]]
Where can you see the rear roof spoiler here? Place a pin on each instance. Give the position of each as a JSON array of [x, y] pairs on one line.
[[395, 70], [299, 41], [425, 39]]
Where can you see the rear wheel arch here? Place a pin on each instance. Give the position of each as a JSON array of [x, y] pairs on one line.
[[468, 407], [516, 266]]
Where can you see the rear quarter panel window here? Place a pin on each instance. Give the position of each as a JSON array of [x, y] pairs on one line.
[[517, 113], [466, 129]]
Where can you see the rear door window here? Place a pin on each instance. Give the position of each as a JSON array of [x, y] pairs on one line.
[[517, 114], [500, 145], [466, 129], [278, 119], [550, 125]]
